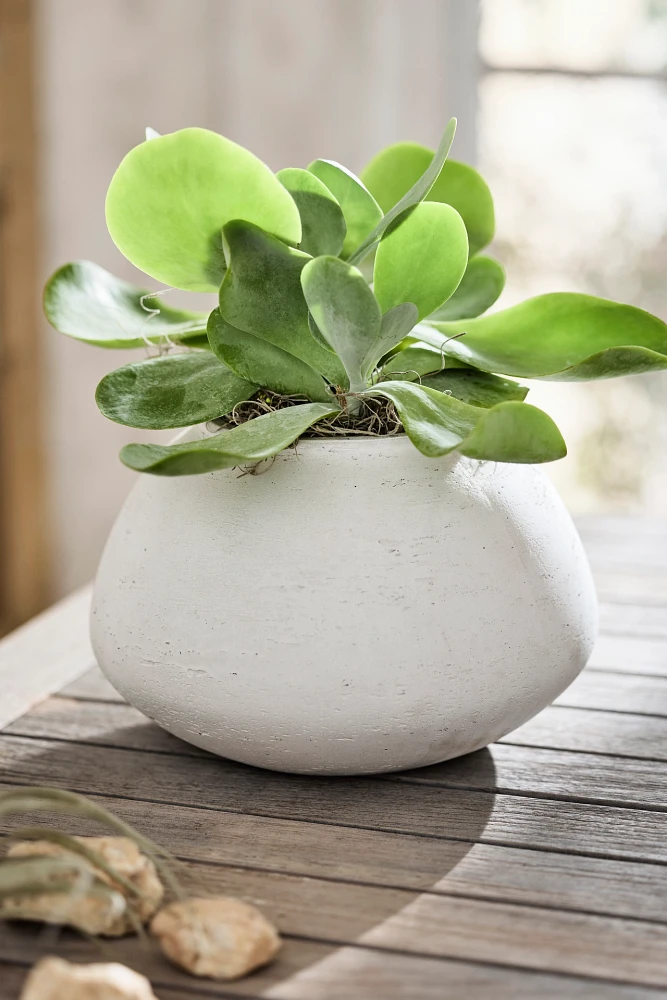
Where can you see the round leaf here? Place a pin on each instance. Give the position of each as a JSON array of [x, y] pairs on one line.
[[360, 209], [421, 258], [174, 391], [171, 196], [254, 441], [84, 301], [263, 363], [323, 226], [476, 388], [480, 287], [437, 424], [395, 169], [563, 336]]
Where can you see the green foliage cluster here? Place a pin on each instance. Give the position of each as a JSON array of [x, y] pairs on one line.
[[335, 289]]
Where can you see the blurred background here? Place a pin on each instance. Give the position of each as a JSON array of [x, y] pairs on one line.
[[561, 103]]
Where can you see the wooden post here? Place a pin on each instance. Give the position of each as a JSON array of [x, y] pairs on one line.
[[23, 569]]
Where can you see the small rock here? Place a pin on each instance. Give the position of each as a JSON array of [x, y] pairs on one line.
[[221, 937], [54, 979], [93, 914]]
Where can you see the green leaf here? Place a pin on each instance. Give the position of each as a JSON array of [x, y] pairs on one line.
[[323, 226], [563, 336], [421, 258], [261, 294], [438, 424], [476, 388], [361, 211], [394, 326], [418, 359], [251, 442], [345, 311], [412, 196], [174, 391], [263, 363], [480, 287], [395, 169], [170, 198], [84, 301]]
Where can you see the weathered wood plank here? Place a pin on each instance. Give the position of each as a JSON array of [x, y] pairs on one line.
[[579, 729], [459, 868], [615, 692], [310, 971], [633, 619], [440, 926], [428, 810], [630, 654], [40, 657], [560, 753]]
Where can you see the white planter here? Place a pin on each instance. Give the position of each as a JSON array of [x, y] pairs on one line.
[[355, 608]]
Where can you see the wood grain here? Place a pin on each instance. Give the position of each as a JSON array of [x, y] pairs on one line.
[[420, 808], [373, 857], [610, 691]]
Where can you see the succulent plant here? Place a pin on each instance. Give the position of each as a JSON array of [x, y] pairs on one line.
[[345, 305]]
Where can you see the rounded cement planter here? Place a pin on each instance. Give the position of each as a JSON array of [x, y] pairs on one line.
[[354, 608]]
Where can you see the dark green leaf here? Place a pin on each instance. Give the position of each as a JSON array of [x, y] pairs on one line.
[[263, 363], [361, 211], [421, 258], [437, 424], [412, 196], [323, 226], [251, 442], [174, 391], [392, 172], [345, 311], [86, 302], [480, 287], [563, 336], [262, 294], [476, 388], [171, 196]]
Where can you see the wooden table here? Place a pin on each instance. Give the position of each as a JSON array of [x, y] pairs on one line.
[[534, 869]]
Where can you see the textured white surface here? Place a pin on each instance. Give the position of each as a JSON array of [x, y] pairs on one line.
[[355, 608]]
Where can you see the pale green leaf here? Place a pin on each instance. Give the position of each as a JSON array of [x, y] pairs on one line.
[[412, 196], [361, 211], [437, 424], [263, 363], [177, 390], [254, 441], [395, 169], [480, 287], [261, 294], [421, 258], [170, 198], [323, 226], [563, 336], [87, 303], [345, 311]]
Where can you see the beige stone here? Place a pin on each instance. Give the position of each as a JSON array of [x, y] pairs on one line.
[[90, 912], [220, 937], [54, 979]]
